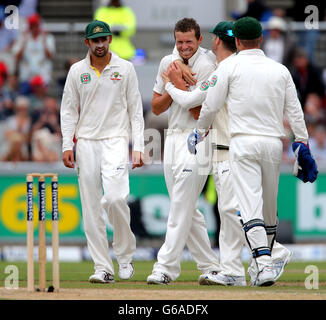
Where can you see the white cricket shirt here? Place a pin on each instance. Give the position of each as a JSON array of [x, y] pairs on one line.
[[219, 133], [180, 118], [102, 107], [257, 91]]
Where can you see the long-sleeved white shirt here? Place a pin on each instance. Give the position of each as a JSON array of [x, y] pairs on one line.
[[258, 92], [180, 118], [100, 107], [219, 134]]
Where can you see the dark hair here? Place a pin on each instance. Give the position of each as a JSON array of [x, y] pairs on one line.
[[186, 25], [254, 43], [230, 46]]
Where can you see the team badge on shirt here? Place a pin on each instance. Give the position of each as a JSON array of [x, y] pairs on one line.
[[116, 76], [85, 78], [209, 83]]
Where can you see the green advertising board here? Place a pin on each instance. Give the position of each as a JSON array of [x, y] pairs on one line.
[[302, 204]]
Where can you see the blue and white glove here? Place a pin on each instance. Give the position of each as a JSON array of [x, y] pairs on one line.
[[194, 138], [305, 167]]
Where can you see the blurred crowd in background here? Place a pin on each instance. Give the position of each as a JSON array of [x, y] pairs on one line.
[[30, 113]]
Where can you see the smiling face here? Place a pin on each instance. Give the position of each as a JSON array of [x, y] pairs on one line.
[[187, 43], [99, 46]]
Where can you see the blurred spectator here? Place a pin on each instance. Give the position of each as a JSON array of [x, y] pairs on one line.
[[314, 113], [34, 52], [122, 22], [317, 143], [11, 87], [61, 81], [306, 76], [46, 133], [307, 39], [37, 97], [17, 133], [256, 9], [278, 44], [6, 101]]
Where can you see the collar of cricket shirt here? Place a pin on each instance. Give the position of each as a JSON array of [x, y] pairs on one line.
[[252, 52], [114, 61]]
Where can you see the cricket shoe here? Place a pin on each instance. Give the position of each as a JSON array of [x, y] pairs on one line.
[[126, 270], [226, 280], [265, 278], [279, 265], [101, 276], [208, 278], [158, 278]]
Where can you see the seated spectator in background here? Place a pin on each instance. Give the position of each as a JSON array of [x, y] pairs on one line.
[[256, 9], [37, 96], [62, 80], [17, 134], [122, 22], [46, 133], [6, 100], [306, 76], [314, 113], [317, 143], [34, 51], [11, 87], [278, 45]]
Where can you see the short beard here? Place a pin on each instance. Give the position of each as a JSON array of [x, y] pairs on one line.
[[102, 54]]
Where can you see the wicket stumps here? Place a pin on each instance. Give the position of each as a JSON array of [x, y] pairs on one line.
[[41, 237]]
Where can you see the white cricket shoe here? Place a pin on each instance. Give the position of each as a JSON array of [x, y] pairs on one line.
[[101, 276], [158, 278], [279, 265], [208, 278], [265, 278], [126, 270], [224, 280]]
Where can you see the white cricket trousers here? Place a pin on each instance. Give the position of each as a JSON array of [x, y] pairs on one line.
[[104, 187], [186, 225], [232, 238], [255, 166]]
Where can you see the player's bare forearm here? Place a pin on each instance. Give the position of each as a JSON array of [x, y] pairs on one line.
[[160, 103], [195, 112]]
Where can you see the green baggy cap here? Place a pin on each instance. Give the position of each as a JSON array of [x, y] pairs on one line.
[[247, 28], [97, 29], [224, 31]]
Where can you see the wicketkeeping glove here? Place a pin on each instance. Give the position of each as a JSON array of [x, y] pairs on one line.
[[194, 138], [305, 167]]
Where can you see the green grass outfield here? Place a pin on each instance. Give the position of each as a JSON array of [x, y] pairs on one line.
[[75, 275]]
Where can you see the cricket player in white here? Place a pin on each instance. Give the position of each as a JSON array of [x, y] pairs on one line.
[[231, 239], [257, 91], [101, 105], [186, 225]]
